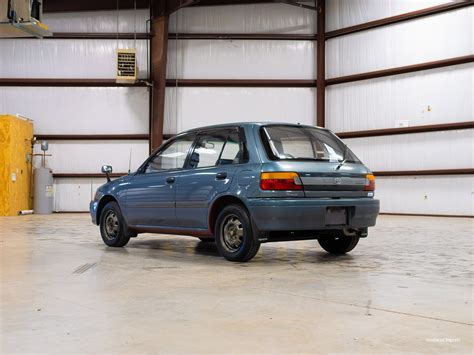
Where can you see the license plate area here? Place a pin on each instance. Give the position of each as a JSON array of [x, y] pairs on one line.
[[336, 216]]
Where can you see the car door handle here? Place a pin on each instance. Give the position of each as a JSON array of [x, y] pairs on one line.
[[221, 176], [170, 180]]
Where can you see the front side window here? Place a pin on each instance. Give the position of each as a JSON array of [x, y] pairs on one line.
[[304, 143], [216, 148], [172, 157]]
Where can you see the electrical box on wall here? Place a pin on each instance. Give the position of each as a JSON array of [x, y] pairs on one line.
[[127, 70]]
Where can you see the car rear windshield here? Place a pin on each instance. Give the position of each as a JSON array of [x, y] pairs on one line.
[[304, 143]]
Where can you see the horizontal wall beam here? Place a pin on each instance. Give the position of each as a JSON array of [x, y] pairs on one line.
[[243, 36], [406, 130], [376, 173], [268, 83], [169, 82], [399, 18], [401, 70], [85, 175], [242, 82], [184, 36], [65, 82], [99, 5], [98, 35], [90, 137], [92, 5], [437, 172]]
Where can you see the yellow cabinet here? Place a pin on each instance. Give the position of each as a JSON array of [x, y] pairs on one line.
[[15, 168]]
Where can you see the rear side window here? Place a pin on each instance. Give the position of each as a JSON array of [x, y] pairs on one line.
[[220, 147], [304, 143], [231, 153]]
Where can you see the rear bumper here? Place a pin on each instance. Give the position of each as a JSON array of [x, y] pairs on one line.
[[306, 214]]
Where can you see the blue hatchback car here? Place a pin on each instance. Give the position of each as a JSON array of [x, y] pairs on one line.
[[241, 185]]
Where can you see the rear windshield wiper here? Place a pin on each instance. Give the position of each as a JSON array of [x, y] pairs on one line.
[[344, 158]]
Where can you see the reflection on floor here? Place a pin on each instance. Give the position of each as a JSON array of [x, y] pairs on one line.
[[407, 287]]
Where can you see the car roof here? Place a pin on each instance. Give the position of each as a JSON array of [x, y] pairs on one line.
[[247, 124]]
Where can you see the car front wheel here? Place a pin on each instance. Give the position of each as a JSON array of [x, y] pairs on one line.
[[338, 244], [234, 235], [113, 229]]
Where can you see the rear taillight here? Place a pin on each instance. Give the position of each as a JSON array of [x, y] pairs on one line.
[[369, 182], [280, 181]]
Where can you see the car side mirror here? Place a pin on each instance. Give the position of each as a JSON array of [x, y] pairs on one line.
[[107, 169]]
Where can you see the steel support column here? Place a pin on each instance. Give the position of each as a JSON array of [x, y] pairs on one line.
[[321, 63], [158, 55]]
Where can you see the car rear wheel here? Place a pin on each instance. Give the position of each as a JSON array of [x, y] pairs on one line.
[[338, 244], [234, 235], [113, 229]]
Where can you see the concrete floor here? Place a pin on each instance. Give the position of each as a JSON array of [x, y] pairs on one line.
[[408, 287]]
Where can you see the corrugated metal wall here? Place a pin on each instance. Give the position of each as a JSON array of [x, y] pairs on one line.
[[80, 110], [433, 96], [93, 110], [436, 96], [189, 107]]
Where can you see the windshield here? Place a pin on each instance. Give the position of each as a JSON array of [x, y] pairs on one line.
[[304, 143]]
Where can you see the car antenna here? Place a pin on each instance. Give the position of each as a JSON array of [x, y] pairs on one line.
[[130, 160]]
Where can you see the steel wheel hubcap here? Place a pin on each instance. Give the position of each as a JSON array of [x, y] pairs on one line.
[[232, 233], [111, 225]]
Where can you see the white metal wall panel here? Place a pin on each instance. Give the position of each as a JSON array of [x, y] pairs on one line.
[[97, 21], [74, 195], [345, 13], [448, 195], [50, 58], [428, 97], [187, 108], [89, 156], [75, 110], [426, 39], [256, 18], [229, 59], [421, 151]]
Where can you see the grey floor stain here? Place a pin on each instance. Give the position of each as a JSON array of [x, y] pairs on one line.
[[151, 268], [83, 268]]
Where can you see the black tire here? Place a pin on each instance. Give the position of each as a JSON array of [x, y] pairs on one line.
[[207, 240], [234, 235], [338, 244], [113, 229]]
